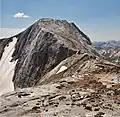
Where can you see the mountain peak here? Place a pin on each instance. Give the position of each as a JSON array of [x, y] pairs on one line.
[[44, 45], [52, 62]]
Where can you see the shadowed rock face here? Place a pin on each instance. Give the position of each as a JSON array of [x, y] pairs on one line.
[[3, 44], [43, 46]]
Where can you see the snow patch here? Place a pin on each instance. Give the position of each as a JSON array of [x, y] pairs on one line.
[[7, 68], [62, 69]]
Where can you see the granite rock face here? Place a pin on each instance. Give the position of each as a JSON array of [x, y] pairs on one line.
[[43, 46]]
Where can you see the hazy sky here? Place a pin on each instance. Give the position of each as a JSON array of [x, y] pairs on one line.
[[99, 19]]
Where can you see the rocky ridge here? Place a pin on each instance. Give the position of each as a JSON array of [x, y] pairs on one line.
[[72, 92], [43, 46], [63, 73]]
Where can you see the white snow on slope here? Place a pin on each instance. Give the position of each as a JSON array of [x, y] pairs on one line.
[[62, 69], [7, 68]]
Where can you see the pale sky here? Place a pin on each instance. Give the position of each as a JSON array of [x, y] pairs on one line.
[[99, 19]]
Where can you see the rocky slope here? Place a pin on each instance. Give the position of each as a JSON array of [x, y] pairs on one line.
[[43, 46], [87, 88], [61, 74]]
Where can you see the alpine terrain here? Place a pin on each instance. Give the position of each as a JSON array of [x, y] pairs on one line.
[[52, 69], [110, 50]]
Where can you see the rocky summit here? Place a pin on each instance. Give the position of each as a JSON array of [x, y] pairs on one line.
[[57, 72], [43, 46]]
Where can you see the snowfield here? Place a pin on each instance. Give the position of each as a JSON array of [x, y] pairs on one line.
[[7, 68]]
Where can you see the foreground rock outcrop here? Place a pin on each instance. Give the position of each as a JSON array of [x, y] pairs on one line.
[[78, 91]]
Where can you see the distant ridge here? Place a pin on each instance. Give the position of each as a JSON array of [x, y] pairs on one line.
[[111, 43]]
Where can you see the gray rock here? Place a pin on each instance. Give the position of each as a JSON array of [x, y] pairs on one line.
[[43, 46]]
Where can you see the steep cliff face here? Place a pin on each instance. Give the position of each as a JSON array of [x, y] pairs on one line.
[[43, 46]]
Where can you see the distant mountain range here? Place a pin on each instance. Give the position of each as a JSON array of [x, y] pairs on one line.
[[109, 49], [111, 43]]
